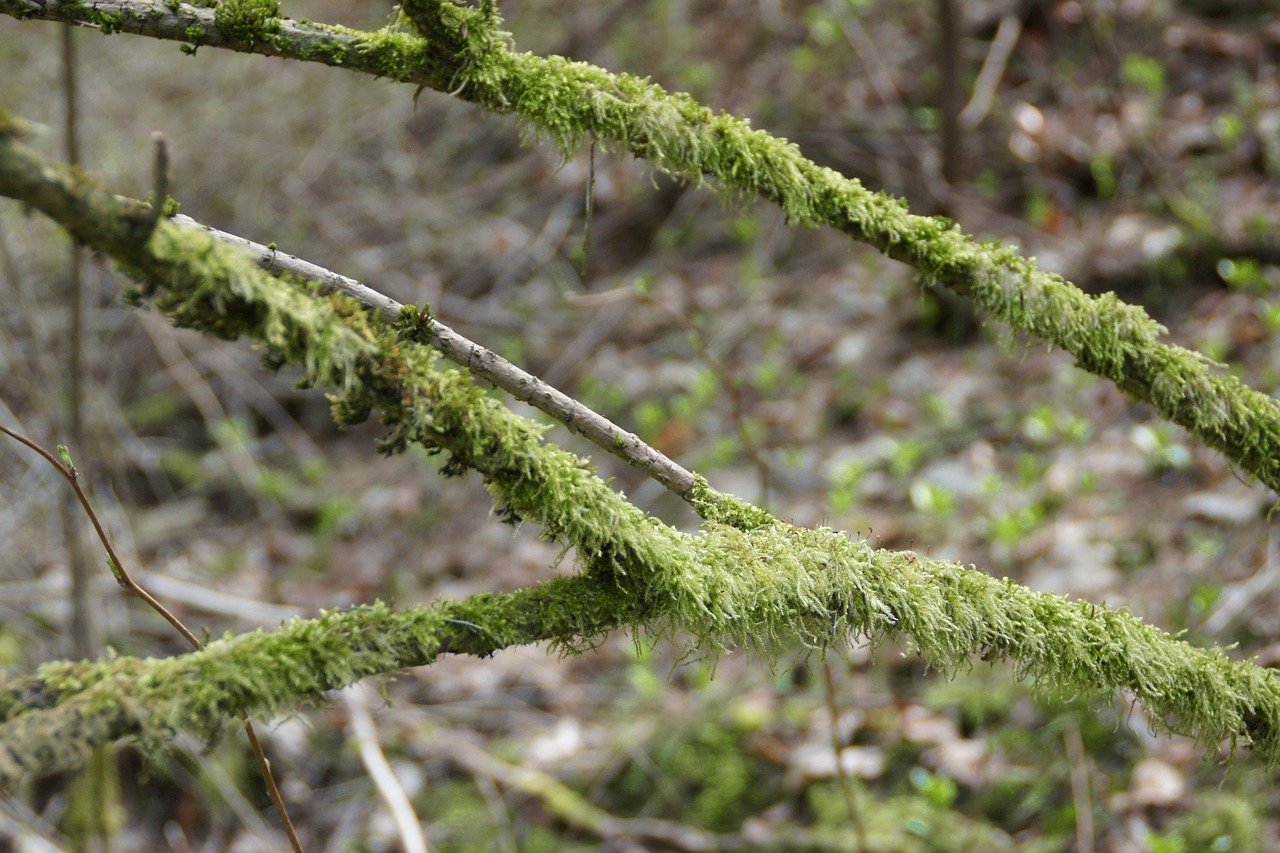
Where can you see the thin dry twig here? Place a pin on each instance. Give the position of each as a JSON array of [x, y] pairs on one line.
[[1242, 597], [69, 472], [842, 772], [85, 631], [28, 830], [1080, 796], [375, 763], [984, 88], [63, 465], [483, 362]]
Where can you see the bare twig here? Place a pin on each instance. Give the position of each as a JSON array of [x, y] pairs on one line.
[[484, 363], [264, 767], [504, 836], [1240, 598], [159, 174], [588, 212], [68, 471], [842, 772], [247, 611], [412, 839], [948, 46], [27, 830], [1080, 797], [221, 602], [84, 621], [984, 88], [64, 466], [96, 806]]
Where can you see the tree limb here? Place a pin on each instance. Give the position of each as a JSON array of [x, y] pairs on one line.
[[466, 55], [51, 720], [746, 579]]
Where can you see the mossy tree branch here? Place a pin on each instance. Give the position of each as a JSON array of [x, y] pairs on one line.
[[466, 53], [53, 718], [745, 579]]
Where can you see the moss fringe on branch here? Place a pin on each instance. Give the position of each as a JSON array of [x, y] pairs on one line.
[[745, 579]]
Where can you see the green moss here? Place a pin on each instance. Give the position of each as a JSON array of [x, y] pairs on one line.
[[392, 53], [12, 126], [720, 508], [248, 21], [109, 24], [745, 579], [1221, 822], [415, 322]]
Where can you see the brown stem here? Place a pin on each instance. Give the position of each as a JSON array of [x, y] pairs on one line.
[[67, 469]]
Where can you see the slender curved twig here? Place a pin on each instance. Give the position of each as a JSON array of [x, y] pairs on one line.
[[64, 466]]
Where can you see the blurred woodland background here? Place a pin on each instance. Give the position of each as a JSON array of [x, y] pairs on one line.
[[1132, 145]]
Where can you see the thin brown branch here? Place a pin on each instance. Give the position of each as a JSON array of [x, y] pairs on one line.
[[842, 772], [68, 471], [64, 466], [408, 824], [984, 88]]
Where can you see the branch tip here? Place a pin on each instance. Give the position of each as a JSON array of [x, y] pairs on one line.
[[159, 176]]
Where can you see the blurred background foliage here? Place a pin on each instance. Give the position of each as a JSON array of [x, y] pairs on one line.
[[1133, 145]]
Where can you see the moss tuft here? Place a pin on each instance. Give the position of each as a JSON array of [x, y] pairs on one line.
[[248, 21]]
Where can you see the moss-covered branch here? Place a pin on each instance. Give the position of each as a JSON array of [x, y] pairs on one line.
[[467, 54], [745, 579], [775, 584], [52, 719]]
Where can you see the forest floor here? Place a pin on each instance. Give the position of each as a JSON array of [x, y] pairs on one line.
[[1132, 146]]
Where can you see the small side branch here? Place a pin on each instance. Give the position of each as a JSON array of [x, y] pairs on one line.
[[483, 362], [984, 88], [65, 467]]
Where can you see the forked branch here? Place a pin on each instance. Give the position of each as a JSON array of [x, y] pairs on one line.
[[482, 362], [744, 579]]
